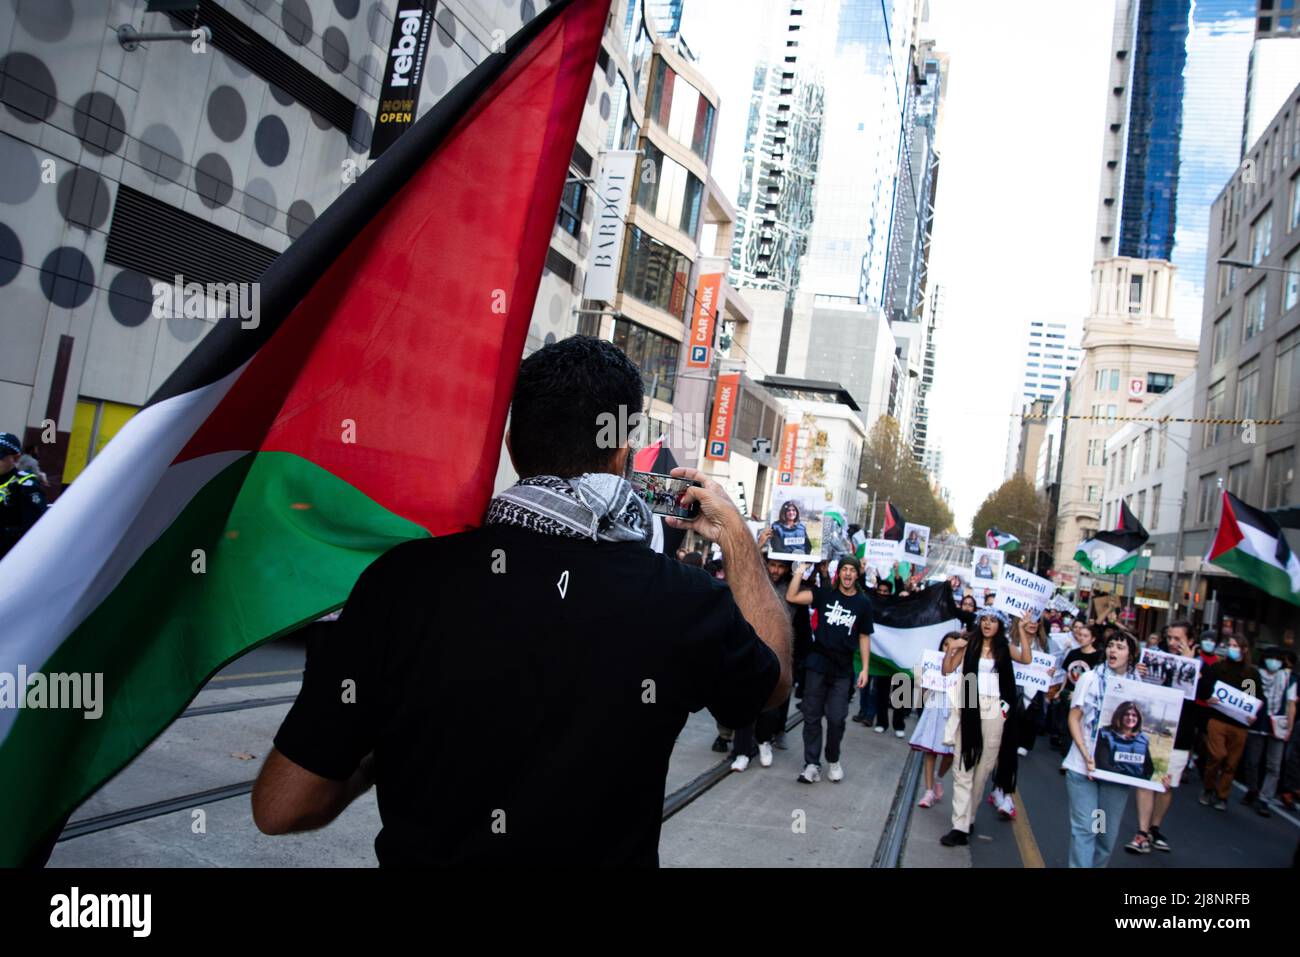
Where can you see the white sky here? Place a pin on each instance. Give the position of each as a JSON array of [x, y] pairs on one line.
[[1015, 213]]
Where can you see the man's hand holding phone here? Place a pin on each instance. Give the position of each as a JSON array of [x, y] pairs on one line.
[[718, 517]]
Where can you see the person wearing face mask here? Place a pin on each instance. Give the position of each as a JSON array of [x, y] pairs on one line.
[[1225, 737], [1207, 652], [1267, 737]]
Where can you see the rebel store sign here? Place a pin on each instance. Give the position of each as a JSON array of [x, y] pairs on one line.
[[403, 73]]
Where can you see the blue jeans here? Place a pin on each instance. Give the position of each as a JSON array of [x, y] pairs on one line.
[[1093, 836]]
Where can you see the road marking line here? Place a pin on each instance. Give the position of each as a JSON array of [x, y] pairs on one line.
[[256, 674], [1030, 856]]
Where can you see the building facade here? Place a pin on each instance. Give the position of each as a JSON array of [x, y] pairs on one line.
[[1130, 356], [1274, 66], [1249, 364]]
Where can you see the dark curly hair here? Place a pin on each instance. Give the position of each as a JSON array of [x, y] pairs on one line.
[[563, 397]]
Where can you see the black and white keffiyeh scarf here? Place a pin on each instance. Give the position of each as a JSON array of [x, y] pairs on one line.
[[596, 506]]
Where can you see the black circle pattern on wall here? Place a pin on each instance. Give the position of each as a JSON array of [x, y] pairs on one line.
[[446, 28], [378, 24], [99, 123], [130, 297], [261, 6], [27, 87], [160, 153], [67, 278], [227, 114], [212, 180], [11, 255], [295, 17], [301, 215], [335, 49], [83, 198], [549, 340], [527, 10], [281, 97], [271, 140], [362, 130], [604, 106], [368, 69], [48, 20], [21, 172], [347, 8], [259, 201]]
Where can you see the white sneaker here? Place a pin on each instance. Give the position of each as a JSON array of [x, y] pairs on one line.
[[836, 773], [1023, 752], [898, 734], [811, 775], [765, 755], [996, 797], [741, 762], [879, 729]]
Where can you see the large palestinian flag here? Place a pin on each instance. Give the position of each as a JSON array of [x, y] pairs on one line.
[[366, 408], [907, 626], [1113, 553], [1252, 546]]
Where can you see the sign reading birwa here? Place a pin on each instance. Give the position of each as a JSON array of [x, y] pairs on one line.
[[1022, 594]]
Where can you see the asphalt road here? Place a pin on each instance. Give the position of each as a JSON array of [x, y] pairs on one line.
[[271, 663], [1201, 837]]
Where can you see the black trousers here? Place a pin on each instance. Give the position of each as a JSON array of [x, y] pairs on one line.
[[767, 726], [823, 696], [883, 687]]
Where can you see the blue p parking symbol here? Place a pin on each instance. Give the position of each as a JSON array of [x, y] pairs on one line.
[[717, 448], [699, 353]]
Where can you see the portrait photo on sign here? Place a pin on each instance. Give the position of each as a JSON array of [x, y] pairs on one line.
[[1135, 734], [796, 521], [986, 565], [1171, 671], [916, 541]]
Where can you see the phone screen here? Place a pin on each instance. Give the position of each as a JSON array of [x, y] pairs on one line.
[[663, 494]]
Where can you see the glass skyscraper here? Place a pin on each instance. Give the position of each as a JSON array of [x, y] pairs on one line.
[[1180, 77]]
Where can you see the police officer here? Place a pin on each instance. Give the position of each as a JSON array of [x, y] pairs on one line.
[[22, 501]]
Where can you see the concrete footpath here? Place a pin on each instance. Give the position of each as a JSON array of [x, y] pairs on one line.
[[763, 817], [743, 821]]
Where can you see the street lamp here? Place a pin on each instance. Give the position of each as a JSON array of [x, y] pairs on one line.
[[1240, 264]]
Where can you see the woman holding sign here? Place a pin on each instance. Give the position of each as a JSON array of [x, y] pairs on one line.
[[1225, 732], [988, 699]]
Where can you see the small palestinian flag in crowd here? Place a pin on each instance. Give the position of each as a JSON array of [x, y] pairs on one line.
[[1002, 540], [269, 471], [1113, 553], [893, 527], [1251, 545]]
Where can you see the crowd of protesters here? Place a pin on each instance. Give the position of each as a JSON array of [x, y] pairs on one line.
[[981, 737]]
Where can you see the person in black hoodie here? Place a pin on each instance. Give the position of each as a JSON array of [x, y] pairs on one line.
[[989, 699], [1225, 737]]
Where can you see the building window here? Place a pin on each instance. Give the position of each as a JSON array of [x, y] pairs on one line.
[[560, 264], [1295, 185], [1261, 236], [1286, 374], [1159, 382], [1142, 507], [1214, 410], [1220, 340], [654, 354], [1146, 453], [1248, 390], [1155, 509], [1279, 473], [680, 110], [1092, 493], [1256, 303], [1111, 411], [1094, 451], [1134, 293], [673, 196], [571, 202], [1133, 460], [1114, 380], [656, 274], [1238, 479], [1291, 281], [1164, 443], [1100, 381], [1206, 497]]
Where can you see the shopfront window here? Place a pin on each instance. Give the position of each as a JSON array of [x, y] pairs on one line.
[[673, 195], [681, 111]]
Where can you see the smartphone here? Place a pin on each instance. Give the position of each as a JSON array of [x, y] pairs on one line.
[[663, 494]]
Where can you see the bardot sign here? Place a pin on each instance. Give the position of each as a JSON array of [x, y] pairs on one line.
[[613, 194], [403, 73]]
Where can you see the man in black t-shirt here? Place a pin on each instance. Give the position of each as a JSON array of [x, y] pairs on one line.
[[844, 624], [598, 646]]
